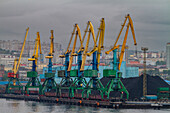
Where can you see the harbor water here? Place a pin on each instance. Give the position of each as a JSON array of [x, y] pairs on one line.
[[20, 106]]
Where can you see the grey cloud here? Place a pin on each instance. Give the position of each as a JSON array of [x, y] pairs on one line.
[[151, 19]]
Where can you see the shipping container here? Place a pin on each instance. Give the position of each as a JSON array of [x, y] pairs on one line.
[[163, 92], [163, 89], [12, 75], [151, 97]]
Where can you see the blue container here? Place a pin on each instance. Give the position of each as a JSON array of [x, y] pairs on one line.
[[151, 97]]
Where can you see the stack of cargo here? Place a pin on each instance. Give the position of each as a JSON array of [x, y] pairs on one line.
[[163, 93]]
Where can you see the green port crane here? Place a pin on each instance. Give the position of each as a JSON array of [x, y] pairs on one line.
[[94, 83], [49, 84], [114, 74], [13, 77], [33, 75]]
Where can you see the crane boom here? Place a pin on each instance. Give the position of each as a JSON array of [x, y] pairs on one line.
[[99, 47], [130, 24], [81, 41], [74, 45], [123, 48], [36, 48], [121, 31], [91, 31], [72, 53], [70, 40], [52, 44], [101, 40], [68, 51], [39, 43], [50, 55], [132, 30], [17, 61]]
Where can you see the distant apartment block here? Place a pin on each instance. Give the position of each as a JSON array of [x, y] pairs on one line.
[[16, 46], [7, 60]]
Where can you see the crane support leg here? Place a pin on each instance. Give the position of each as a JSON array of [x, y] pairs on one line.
[[50, 85], [115, 84], [93, 84], [78, 84], [17, 88], [33, 82]]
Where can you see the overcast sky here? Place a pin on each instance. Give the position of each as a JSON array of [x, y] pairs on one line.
[[151, 19]]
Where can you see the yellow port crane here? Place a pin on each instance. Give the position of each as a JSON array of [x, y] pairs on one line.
[[17, 61], [74, 45], [130, 23], [99, 47], [94, 83], [66, 80], [50, 54], [33, 75], [90, 31], [80, 82], [13, 77], [35, 53], [115, 84]]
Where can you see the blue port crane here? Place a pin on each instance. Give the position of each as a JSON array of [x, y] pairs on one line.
[[33, 75], [49, 84]]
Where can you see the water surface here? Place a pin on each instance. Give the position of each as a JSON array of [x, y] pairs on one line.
[[20, 106]]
